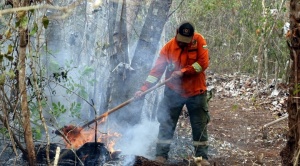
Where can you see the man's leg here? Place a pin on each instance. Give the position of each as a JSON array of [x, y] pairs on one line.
[[167, 115], [199, 117]]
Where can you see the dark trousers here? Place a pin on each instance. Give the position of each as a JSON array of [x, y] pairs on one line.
[[168, 114]]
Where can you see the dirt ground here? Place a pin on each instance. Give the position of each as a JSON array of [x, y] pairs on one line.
[[237, 137]]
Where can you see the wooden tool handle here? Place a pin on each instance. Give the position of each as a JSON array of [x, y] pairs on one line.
[[124, 104]]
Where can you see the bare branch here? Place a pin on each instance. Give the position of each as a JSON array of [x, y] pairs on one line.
[[66, 9]]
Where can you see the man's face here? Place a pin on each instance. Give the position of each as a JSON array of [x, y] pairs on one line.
[[182, 44]]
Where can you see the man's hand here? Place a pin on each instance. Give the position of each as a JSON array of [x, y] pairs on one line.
[[138, 94], [177, 74]]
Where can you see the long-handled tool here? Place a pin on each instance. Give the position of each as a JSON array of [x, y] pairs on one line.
[[124, 104]]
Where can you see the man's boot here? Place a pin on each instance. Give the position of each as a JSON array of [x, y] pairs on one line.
[[204, 162], [160, 159]]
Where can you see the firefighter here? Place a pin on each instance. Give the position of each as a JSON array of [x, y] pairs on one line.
[[184, 58]]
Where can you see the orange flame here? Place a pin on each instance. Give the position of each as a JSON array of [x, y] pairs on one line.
[[76, 137]]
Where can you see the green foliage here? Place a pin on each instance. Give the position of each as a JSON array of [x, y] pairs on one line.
[[235, 107], [2, 79], [33, 23], [237, 27], [76, 87], [7, 54], [8, 33], [35, 112], [37, 134], [87, 71], [53, 66], [34, 29], [75, 109], [22, 20], [9, 50], [297, 89], [58, 109], [86, 74], [10, 74], [45, 21], [4, 132], [73, 84], [10, 58]]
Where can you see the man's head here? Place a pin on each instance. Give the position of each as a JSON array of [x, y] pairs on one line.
[[185, 32]]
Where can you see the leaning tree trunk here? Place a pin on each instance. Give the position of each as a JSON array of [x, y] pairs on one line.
[[143, 58], [125, 81], [148, 43], [118, 60], [291, 152], [23, 41]]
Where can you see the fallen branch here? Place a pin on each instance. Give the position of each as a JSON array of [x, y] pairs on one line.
[[271, 123], [275, 121], [57, 153]]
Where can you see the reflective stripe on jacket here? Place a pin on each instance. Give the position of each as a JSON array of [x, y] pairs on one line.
[[166, 142], [200, 143], [192, 61]]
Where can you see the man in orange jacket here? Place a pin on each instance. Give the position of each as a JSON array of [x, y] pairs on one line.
[[184, 58]]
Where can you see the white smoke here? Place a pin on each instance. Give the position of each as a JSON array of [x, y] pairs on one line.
[[139, 139]]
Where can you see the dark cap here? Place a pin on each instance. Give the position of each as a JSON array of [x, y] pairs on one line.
[[185, 32]]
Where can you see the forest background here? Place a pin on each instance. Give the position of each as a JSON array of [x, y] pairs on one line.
[[66, 62]]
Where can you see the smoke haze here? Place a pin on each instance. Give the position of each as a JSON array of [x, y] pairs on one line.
[[139, 139]]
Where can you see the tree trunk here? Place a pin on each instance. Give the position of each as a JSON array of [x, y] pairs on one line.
[[290, 153], [148, 42], [24, 105], [118, 61], [112, 12], [132, 14], [23, 37], [262, 46], [143, 58]]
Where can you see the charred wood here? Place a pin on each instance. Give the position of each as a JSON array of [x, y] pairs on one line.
[[89, 154]]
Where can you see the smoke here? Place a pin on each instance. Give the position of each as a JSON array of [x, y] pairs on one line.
[[139, 139], [129, 160]]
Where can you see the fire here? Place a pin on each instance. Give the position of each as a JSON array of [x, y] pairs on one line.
[[75, 137], [109, 140]]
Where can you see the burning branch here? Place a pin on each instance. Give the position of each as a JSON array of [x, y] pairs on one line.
[[70, 134]]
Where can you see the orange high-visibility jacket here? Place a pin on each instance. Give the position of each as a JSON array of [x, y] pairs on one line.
[[192, 61]]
